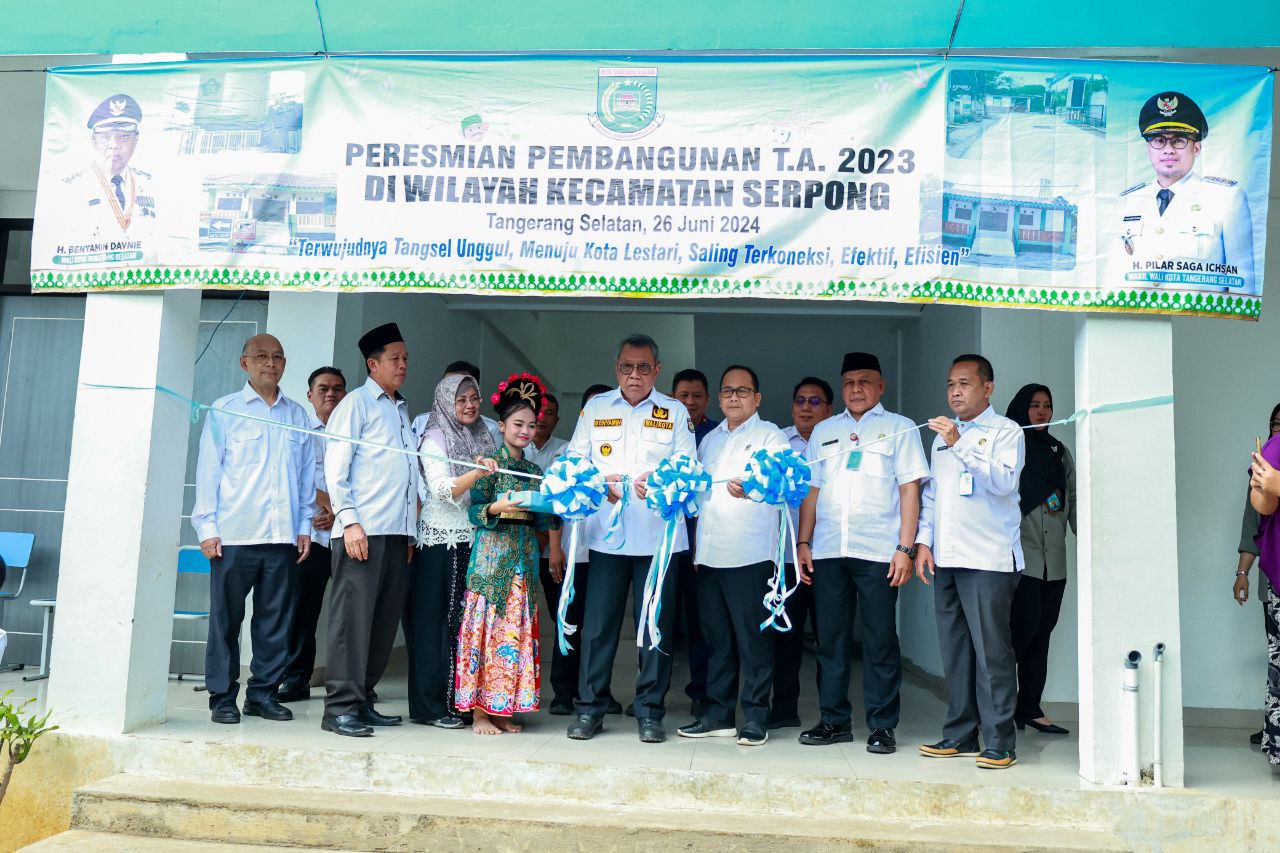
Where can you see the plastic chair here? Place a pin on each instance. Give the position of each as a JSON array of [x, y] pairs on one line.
[[16, 549], [191, 561]]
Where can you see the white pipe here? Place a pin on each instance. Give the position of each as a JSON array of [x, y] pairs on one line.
[[1130, 773], [1157, 766]]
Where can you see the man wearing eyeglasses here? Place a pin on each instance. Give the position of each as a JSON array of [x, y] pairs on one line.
[[626, 433], [857, 542], [1180, 222], [810, 406], [110, 200]]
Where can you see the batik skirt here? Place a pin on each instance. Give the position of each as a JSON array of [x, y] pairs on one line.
[[498, 669]]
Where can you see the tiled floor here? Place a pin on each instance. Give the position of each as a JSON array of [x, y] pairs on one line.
[[1217, 759]]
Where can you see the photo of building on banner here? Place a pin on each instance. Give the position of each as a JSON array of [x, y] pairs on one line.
[[1026, 183]]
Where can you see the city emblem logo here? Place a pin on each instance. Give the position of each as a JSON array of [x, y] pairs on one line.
[[626, 102], [660, 413], [606, 449], [1167, 106]]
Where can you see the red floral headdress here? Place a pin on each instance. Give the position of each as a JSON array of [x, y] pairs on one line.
[[525, 386]]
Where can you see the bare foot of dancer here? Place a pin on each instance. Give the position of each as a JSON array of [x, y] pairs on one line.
[[482, 725], [507, 724]]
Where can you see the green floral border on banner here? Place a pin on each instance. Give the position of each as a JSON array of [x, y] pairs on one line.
[[492, 282]]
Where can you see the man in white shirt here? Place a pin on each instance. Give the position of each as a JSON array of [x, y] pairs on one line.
[[325, 389], [736, 548], [565, 668], [468, 369], [255, 495], [374, 493], [857, 536], [970, 541], [546, 447], [627, 432], [810, 406]]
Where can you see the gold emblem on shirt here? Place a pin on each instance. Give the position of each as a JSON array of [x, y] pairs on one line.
[[981, 441], [606, 449], [607, 422], [650, 422], [661, 413]]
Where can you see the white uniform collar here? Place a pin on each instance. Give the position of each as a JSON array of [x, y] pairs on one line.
[[1190, 182], [247, 394], [986, 416], [877, 409], [723, 426], [375, 390], [617, 392]]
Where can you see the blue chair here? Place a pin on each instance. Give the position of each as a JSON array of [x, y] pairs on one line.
[[191, 561], [16, 549]]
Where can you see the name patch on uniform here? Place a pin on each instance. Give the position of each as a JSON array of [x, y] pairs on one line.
[[650, 422], [660, 413], [607, 422], [1137, 218], [829, 443]]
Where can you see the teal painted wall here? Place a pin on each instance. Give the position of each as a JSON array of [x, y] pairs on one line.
[[291, 26]]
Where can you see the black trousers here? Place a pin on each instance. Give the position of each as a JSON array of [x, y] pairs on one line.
[[267, 571], [432, 620], [695, 642], [612, 576], [839, 586], [565, 667], [788, 650], [366, 604], [977, 654], [731, 601], [1036, 605], [310, 580]]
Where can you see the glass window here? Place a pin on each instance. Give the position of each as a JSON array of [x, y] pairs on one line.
[[962, 214], [230, 203], [302, 206], [16, 240]]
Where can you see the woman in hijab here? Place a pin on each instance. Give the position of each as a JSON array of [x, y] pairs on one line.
[[1249, 550], [437, 584], [1047, 496]]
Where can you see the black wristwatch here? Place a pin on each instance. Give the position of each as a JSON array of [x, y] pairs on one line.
[[910, 552]]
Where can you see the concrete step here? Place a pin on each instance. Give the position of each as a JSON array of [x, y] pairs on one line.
[[141, 806], [81, 841]]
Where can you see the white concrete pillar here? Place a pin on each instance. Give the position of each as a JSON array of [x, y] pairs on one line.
[[110, 658], [315, 330], [1127, 563]]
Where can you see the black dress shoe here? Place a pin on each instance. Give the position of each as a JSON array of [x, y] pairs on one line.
[[615, 707], [585, 727], [997, 759], [630, 710], [348, 725], [882, 742], [947, 748], [1043, 728], [268, 709], [561, 708], [292, 692], [783, 723], [651, 730], [825, 734], [370, 717], [228, 714], [704, 728], [1256, 738]]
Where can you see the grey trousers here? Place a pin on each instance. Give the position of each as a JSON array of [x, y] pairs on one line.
[[365, 605], [973, 609]]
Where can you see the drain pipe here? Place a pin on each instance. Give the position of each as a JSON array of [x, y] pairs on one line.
[[1157, 768], [1130, 773]]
